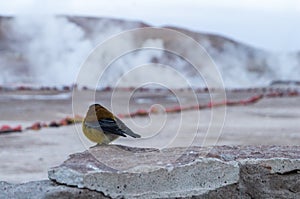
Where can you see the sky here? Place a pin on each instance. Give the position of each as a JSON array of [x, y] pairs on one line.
[[268, 24]]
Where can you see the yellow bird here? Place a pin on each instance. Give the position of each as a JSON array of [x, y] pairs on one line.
[[102, 127]]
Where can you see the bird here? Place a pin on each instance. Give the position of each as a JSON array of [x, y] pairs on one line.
[[102, 127]]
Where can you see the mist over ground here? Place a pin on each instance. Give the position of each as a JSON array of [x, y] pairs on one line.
[[49, 51]]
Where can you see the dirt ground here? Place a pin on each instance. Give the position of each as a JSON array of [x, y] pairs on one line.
[[26, 156]]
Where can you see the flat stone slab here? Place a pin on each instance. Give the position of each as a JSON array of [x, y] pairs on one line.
[[119, 171]]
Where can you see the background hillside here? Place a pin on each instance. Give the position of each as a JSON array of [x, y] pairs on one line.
[[49, 51]]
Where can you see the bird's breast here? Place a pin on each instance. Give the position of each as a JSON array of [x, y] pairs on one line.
[[98, 136]]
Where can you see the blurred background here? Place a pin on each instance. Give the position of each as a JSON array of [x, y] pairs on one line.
[[252, 42], [255, 46]]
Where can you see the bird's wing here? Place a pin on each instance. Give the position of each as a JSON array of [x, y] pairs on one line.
[[107, 126], [127, 130]]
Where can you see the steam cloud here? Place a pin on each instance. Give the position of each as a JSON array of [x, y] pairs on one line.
[[49, 50]]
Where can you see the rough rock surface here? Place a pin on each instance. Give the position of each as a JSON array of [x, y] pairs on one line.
[[149, 173], [45, 189], [218, 172], [241, 172]]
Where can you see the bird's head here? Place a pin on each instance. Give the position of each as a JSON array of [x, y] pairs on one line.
[[97, 112], [95, 107]]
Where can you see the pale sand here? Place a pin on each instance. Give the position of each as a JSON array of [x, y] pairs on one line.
[[26, 156]]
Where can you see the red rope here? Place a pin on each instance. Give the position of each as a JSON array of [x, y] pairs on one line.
[[142, 112], [177, 109]]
